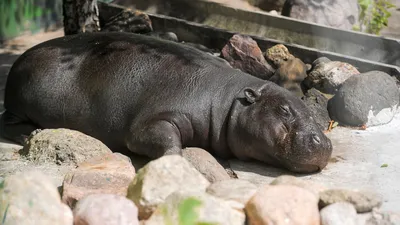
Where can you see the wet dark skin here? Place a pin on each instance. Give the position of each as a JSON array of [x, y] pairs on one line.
[[156, 97]]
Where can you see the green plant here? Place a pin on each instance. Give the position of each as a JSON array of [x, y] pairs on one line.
[[187, 214], [374, 15]]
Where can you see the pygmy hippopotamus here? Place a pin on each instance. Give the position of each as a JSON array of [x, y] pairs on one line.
[[156, 97]]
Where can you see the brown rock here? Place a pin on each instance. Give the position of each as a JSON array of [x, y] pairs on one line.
[[106, 174], [243, 53], [278, 54], [159, 178], [236, 190], [311, 186], [62, 146], [206, 164], [363, 201], [133, 21], [290, 75], [282, 204], [105, 209]]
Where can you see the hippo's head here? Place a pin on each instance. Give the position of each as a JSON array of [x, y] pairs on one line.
[[272, 125]]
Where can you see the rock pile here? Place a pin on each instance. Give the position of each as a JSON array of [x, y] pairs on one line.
[[105, 189]]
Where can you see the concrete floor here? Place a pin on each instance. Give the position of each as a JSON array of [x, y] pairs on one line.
[[356, 163]]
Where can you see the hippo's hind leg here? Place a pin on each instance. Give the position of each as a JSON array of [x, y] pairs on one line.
[[14, 128], [156, 139]]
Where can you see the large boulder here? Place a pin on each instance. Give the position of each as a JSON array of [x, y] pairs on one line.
[[342, 14], [159, 178], [62, 146], [369, 99], [107, 174], [105, 209], [282, 204], [243, 53], [206, 164], [31, 198], [209, 209]]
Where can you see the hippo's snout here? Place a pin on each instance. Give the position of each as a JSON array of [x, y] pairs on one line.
[[310, 152]]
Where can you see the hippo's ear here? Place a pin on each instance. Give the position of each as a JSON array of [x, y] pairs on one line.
[[251, 95]]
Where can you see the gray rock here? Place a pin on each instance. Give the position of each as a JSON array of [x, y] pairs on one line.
[[210, 209], [328, 76], [311, 186], [236, 190], [62, 146], [338, 214], [363, 201], [105, 209], [341, 14], [206, 164], [379, 217], [31, 198], [369, 99], [318, 105], [159, 178]]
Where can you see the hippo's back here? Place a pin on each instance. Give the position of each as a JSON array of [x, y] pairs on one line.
[[96, 82]]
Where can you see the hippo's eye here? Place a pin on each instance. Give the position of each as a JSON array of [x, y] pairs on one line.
[[284, 110]]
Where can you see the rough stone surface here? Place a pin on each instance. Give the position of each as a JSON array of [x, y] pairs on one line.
[[206, 164], [233, 190], [379, 217], [328, 76], [108, 174], [369, 99], [129, 20], [338, 214], [105, 209], [278, 54], [211, 209], [341, 14], [243, 53], [282, 204], [31, 198], [62, 146], [161, 177], [363, 201], [311, 186], [290, 75], [318, 105]]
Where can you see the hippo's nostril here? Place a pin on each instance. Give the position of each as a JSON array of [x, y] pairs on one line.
[[316, 139]]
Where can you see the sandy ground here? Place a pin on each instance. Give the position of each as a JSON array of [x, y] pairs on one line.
[[356, 161]]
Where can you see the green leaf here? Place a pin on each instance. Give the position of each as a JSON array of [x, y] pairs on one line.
[[186, 211], [384, 165]]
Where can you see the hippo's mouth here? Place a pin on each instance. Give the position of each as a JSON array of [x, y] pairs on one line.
[[299, 167]]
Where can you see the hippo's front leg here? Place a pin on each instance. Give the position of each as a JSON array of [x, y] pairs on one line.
[[156, 139]]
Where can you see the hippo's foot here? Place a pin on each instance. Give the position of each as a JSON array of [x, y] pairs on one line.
[[156, 140], [14, 128]]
